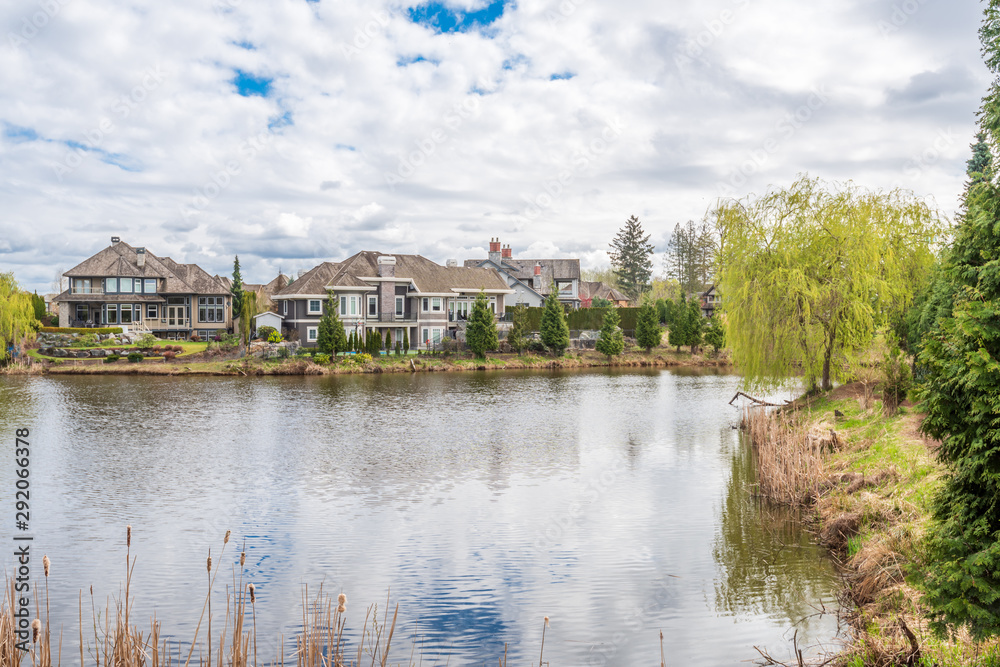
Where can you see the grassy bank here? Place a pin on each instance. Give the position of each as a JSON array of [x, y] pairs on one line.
[[209, 362], [868, 480]]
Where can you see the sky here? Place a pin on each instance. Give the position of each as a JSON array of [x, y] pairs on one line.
[[291, 132]]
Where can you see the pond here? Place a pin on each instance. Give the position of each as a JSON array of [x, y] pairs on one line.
[[617, 504]]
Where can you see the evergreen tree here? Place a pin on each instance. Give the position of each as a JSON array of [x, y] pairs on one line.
[[324, 338], [715, 334], [38, 303], [377, 338], [679, 324], [481, 330], [647, 329], [555, 331], [351, 345], [406, 340], [661, 310], [611, 340], [237, 287], [961, 360], [388, 341], [691, 256], [517, 336], [695, 325], [631, 258]]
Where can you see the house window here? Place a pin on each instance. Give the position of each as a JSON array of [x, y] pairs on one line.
[[349, 305], [400, 307], [125, 285], [425, 304], [150, 287], [372, 306], [315, 306], [110, 285], [284, 307], [82, 311], [565, 287], [151, 313], [436, 304], [211, 309], [312, 334], [399, 336], [126, 313], [81, 286], [111, 315]]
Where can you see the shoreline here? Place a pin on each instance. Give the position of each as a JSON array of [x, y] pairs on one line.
[[425, 363]]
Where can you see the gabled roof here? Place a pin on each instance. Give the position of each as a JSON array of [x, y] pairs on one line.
[[425, 275], [121, 260], [598, 290], [524, 269]]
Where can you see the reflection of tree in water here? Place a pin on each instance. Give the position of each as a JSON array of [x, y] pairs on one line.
[[767, 562]]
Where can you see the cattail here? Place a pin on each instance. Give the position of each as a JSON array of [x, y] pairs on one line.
[[128, 535], [36, 629], [252, 588], [226, 540], [46, 563], [546, 621], [243, 558], [209, 567], [341, 603]]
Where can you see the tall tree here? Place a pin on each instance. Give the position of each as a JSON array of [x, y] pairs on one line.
[[248, 309], [611, 340], [555, 330], [715, 334], [631, 258], [691, 256], [810, 273], [647, 327], [237, 287], [481, 330], [17, 316], [961, 364], [331, 338], [517, 336], [678, 323]]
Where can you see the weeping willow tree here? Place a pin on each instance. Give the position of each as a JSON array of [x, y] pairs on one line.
[[808, 274], [17, 315]]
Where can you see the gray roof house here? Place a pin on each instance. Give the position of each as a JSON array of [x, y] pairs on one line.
[[390, 293], [531, 280], [130, 287]]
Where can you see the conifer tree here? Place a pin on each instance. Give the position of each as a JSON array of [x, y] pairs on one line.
[[481, 330], [695, 325], [679, 324], [611, 340], [647, 329], [388, 341], [517, 336], [555, 330], [237, 286], [406, 340], [630, 258], [715, 334]]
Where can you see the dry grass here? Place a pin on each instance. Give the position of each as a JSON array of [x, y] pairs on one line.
[[789, 465]]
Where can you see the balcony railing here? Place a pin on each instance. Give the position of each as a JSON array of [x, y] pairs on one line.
[[86, 290]]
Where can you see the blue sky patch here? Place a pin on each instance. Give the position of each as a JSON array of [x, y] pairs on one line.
[[248, 85], [19, 134], [345, 147], [563, 75], [444, 19], [246, 45], [409, 60], [123, 162], [278, 122]]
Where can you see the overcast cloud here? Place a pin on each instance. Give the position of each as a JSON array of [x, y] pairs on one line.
[[292, 132]]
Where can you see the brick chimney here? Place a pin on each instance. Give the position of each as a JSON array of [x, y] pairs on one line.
[[115, 240], [505, 252], [536, 281], [495, 251], [140, 257], [386, 289]]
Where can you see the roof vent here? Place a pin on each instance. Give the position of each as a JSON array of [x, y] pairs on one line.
[[452, 263], [115, 240]]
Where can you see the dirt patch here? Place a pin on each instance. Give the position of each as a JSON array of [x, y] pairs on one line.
[[909, 431]]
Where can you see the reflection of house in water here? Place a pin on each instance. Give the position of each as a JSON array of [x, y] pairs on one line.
[[533, 279]]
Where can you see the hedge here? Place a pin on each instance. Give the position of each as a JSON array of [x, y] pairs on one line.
[[79, 330], [584, 318]]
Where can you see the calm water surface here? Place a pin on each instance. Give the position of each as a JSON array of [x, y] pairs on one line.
[[615, 503]]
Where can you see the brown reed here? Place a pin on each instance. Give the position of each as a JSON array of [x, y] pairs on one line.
[[789, 464]]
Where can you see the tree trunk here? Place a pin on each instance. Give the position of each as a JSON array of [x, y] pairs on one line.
[[827, 385]]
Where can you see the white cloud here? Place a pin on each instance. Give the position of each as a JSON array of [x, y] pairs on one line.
[[140, 131]]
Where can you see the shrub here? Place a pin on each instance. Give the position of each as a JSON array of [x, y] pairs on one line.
[[263, 333], [89, 340], [228, 341], [169, 355], [157, 348], [146, 341], [135, 357], [111, 358], [274, 337], [321, 358], [78, 330], [536, 346], [362, 357], [896, 378], [195, 338]]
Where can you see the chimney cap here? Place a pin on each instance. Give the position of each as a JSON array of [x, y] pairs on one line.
[[452, 263], [115, 239], [140, 250], [386, 259]]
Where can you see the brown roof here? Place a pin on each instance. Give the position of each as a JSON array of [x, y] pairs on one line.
[[590, 289], [120, 259], [428, 276], [524, 270]]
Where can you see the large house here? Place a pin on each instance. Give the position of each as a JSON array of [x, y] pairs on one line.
[[593, 289], [710, 301], [531, 280], [389, 293], [132, 288]]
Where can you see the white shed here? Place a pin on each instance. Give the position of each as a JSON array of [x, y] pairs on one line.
[[267, 319]]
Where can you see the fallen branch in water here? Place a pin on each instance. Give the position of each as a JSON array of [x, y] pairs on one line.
[[755, 400]]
